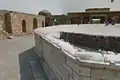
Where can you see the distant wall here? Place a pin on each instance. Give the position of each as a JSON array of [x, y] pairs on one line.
[[59, 66], [26, 21], [2, 24]]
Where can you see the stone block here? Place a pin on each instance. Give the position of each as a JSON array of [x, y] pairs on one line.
[[105, 74], [67, 68], [78, 77], [84, 71], [70, 78], [64, 74], [95, 79]]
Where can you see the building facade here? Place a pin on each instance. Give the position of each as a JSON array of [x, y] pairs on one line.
[[94, 15], [17, 23]]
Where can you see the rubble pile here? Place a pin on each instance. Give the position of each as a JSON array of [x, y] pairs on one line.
[[3, 34]]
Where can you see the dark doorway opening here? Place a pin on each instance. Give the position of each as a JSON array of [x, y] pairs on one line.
[[8, 27], [23, 26], [34, 23], [43, 24]]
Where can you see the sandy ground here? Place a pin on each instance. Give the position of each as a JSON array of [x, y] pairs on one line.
[[14, 57]]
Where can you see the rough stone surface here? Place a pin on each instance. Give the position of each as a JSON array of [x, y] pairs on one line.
[[78, 77], [17, 23], [65, 65], [85, 71], [105, 74], [3, 34]]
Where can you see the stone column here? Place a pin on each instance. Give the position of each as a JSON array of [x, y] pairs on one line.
[[81, 20]]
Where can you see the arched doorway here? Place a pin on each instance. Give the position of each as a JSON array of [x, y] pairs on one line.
[[23, 26], [34, 23], [43, 24]]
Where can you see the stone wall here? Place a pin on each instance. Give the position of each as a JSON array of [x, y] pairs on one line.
[[17, 21], [2, 24], [60, 66]]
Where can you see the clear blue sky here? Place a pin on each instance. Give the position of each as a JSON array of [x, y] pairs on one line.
[[56, 6]]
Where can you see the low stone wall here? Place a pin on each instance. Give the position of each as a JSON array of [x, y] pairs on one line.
[[60, 66]]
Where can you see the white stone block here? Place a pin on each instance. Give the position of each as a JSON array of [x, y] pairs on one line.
[[78, 77], [84, 71]]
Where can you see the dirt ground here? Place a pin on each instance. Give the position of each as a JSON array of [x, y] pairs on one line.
[[14, 57]]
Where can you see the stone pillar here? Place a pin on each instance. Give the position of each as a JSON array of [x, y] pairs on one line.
[[81, 20]]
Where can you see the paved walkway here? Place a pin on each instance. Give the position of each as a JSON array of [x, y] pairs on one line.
[[14, 57]]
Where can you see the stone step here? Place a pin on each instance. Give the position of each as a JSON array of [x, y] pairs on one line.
[[37, 71]]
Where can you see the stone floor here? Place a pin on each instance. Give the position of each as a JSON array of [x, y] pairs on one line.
[[14, 57]]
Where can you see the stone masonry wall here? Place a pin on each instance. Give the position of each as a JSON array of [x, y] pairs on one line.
[[60, 66], [3, 33], [16, 22], [2, 24]]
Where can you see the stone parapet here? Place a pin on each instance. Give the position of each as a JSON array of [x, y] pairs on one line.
[[61, 65]]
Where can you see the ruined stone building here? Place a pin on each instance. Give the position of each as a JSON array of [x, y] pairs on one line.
[[95, 15], [17, 23], [91, 15], [60, 19], [48, 17]]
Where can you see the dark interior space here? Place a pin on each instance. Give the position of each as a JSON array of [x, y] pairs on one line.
[[23, 26], [92, 41], [34, 23]]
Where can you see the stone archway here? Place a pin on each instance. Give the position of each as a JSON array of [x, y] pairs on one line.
[[34, 23], [23, 26]]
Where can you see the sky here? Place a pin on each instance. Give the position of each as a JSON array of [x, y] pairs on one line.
[[81, 5], [32, 6], [56, 6]]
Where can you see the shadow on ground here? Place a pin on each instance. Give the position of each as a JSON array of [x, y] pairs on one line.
[[24, 58]]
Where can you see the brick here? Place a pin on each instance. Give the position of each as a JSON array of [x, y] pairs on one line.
[[78, 77], [85, 71]]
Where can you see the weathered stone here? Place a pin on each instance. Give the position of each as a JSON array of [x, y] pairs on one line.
[[17, 23], [70, 78], [11, 37], [67, 68], [80, 70], [94, 79], [64, 74], [78, 77], [3, 34], [105, 74]]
